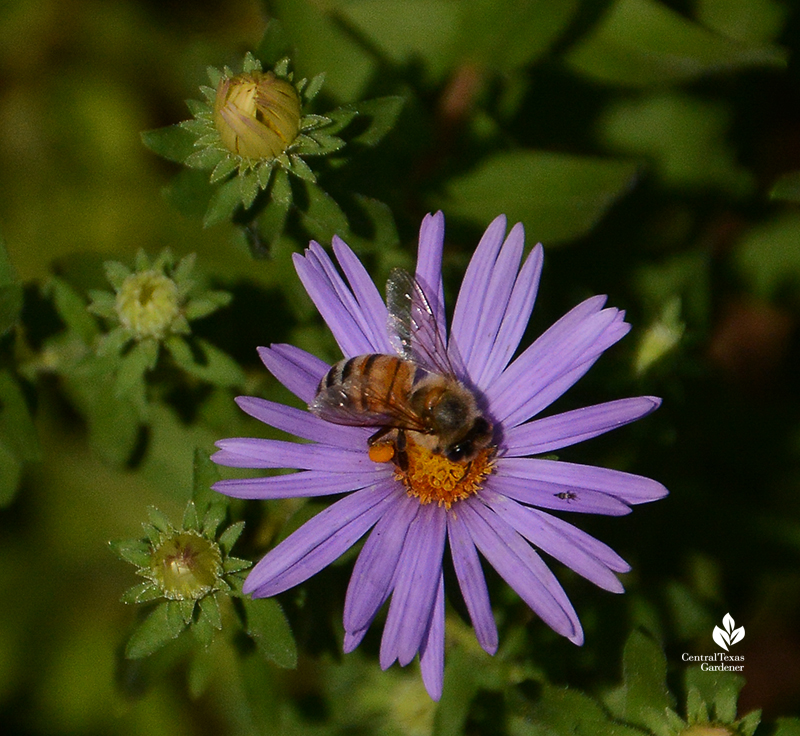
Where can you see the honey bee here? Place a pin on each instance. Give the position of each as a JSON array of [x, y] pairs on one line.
[[414, 391]]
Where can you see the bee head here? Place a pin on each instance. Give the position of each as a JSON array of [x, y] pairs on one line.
[[478, 437]]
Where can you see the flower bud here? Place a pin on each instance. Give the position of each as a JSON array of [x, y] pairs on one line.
[[186, 566], [148, 304], [257, 114]]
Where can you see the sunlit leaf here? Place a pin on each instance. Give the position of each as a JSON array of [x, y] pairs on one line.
[[642, 42], [556, 196], [162, 625], [270, 630], [173, 142], [787, 187]]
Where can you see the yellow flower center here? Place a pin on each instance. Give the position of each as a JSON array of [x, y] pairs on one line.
[[432, 478], [186, 566], [148, 303]]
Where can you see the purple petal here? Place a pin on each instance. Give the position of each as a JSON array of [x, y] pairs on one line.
[[319, 541], [569, 428], [296, 369], [304, 483], [515, 320], [429, 266], [516, 396], [495, 303], [352, 639], [431, 651], [519, 565], [615, 332], [374, 571], [471, 297], [369, 300], [556, 496], [334, 301], [554, 539], [627, 487], [472, 582], [304, 424], [418, 572], [251, 452]]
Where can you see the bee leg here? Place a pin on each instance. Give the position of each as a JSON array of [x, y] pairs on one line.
[[382, 432], [401, 456]]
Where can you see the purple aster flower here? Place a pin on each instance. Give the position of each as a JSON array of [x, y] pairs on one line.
[[495, 506]]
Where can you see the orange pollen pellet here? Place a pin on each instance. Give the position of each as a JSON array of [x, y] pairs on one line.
[[381, 453], [431, 477]]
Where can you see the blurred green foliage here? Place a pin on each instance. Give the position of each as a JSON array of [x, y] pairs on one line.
[[652, 145]]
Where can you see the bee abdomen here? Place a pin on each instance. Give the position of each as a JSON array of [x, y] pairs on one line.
[[365, 379], [342, 371]]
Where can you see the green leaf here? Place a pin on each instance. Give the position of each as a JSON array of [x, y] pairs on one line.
[[204, 476], [512, 34], [263, 234], [135, 551], [684, 136], [268, 627], [557, 196], [130, 384], [274, 44], [321, 215], [718, 690], [381, 231], [644, 688], [228, 538], [642, 42], [425, 31], [751, 21], [787, 187], [203, 670], [173, 142], [162, 625], [103, 304], [224, 202], [189, 192], [209, 620], [314, 86], [315, 30], [207, 158], [10, 292], [215, 515], [72, 308], [17, 429], [10, 474], [301, 169], [141, 593], [322, 144], [159, 520], [207, 362], [191, 519], [566, 711], [113, 423], [787, 727], [379, 116], [767, 257], [225, 166], [208, 303], [281, 187]]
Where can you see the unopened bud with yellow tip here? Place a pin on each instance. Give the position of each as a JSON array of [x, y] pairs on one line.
[[257, 114]]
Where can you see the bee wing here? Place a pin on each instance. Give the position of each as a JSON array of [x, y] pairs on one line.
[[413, 328], [334, 404]]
